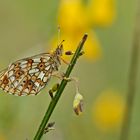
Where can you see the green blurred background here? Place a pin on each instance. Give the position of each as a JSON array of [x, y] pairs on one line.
[[26, 28]]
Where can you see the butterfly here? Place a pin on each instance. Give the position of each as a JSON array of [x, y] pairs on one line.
[[30, 75]]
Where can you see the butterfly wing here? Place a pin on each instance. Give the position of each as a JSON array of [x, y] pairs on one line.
[[2, 72], [27, 76]]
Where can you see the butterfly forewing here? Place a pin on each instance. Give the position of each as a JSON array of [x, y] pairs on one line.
[[28, 76]]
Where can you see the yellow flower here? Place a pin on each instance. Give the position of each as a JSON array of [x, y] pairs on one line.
[[72, 17], [2, 137], [108, 110], [75, 18], [92, 50], [101, 12], [92, 47]]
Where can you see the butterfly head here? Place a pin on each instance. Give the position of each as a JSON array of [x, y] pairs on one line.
[[59, 50]]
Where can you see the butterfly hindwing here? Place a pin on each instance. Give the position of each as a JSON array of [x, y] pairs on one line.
[[27, 76]]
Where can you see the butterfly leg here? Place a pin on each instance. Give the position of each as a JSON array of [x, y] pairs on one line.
[[61, 76], [64, 61], [67, 53], [70, 53]]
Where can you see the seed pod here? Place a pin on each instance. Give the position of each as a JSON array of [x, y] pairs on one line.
[[78, 104]]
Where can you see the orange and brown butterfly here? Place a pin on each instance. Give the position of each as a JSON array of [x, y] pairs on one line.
[[30, 75]]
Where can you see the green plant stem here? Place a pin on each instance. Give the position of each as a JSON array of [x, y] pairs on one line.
[[54, 101], [125, 131]]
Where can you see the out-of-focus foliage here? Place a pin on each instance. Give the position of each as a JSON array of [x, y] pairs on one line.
[[30, 27]]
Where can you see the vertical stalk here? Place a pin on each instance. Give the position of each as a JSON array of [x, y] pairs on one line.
[[132, 79], [54, 101]]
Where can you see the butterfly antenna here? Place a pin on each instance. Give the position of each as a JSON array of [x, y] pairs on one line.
[[59, 44], [58, 36]]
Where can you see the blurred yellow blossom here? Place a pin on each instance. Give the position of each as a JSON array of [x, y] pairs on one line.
[[2, 137], [92, 46], [101, 12], [76, 18], [72, 17], [108, 110]]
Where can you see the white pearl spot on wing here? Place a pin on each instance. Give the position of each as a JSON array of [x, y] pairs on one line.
[[47, 68], [33, 71], [41, 75], [12, 78], [10, 73]]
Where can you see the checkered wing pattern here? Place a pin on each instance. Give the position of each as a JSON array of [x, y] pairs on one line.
[[27, 76]]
